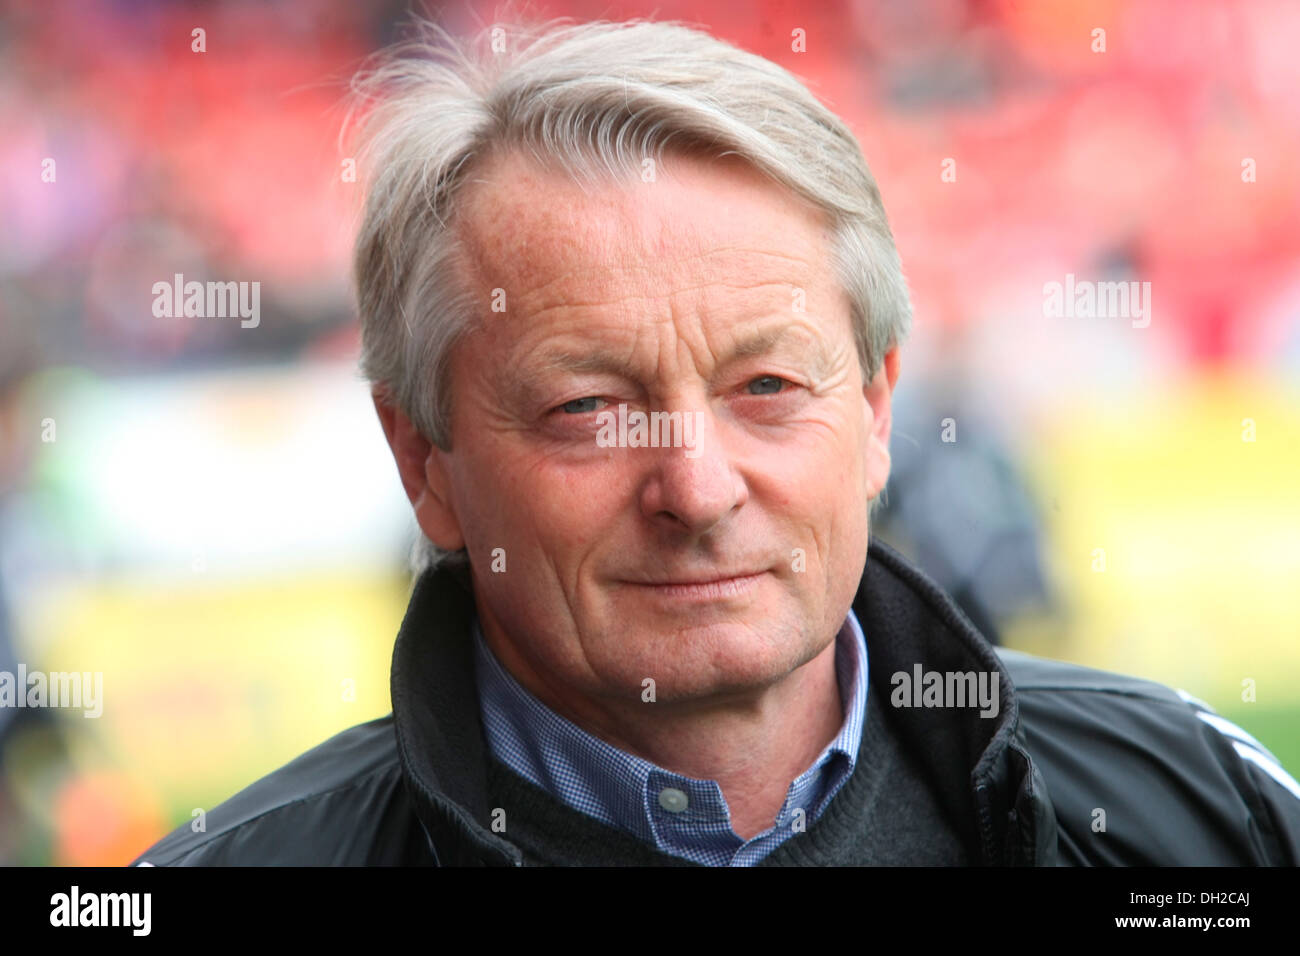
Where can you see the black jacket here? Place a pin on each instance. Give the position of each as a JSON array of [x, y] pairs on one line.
[[1176, 784]]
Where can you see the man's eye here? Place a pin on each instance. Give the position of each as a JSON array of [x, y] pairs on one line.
[[767, 385], [580, 406]]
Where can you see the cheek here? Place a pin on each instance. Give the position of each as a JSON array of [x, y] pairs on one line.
[[835, 474], [812, 494], [572, 508], [541, 504], [490, 503], [833, 464]]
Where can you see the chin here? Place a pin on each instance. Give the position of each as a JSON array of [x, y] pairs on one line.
[[698, 662]]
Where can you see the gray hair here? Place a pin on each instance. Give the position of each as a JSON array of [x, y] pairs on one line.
[[592, 100]]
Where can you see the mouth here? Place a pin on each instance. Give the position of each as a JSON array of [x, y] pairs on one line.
[[712, 587]]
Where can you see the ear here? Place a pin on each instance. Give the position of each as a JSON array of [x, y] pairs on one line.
[[879, 395], [423, 471]]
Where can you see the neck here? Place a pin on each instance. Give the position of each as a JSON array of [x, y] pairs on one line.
[[754, 744]]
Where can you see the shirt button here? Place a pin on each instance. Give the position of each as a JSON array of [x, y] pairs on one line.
[[673, 800]]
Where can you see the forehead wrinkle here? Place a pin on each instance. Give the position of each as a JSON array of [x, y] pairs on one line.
[[537, 248], [628, 296], [506, 216], [749, 342], [538, 262]]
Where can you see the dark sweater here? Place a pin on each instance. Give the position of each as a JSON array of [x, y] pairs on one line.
[[885, 814]]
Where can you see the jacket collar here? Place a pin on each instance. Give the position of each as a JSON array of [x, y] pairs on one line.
[[980, 766], [440, 736]]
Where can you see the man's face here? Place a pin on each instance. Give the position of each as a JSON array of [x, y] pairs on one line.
[[708, 292]]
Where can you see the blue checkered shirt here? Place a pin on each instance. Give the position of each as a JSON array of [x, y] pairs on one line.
[[678, 815]]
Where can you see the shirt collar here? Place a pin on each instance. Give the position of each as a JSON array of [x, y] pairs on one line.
[[634, 794]]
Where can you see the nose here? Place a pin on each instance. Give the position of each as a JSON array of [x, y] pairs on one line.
[[693, 489]]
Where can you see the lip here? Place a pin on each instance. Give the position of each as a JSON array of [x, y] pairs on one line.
[[712, 588]]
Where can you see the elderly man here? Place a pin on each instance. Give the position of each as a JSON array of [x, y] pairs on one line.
[[632, 310]]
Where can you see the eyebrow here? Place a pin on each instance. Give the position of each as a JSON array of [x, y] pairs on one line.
[[749, 345]]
